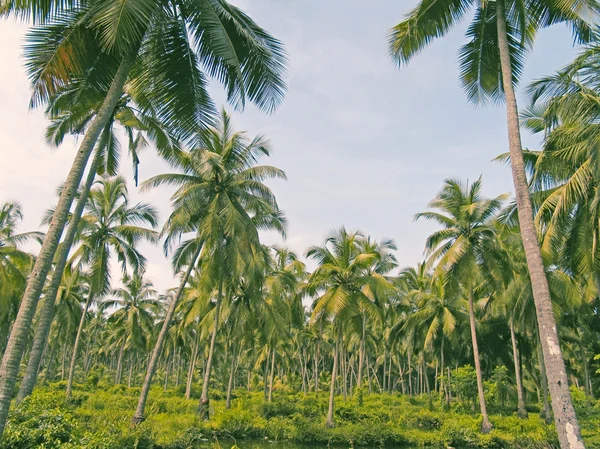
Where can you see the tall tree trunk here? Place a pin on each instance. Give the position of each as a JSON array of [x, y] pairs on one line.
[[46, 314], [20, 331], [521, 409], [586, 372], [336, 355], [546, 413], [231, 377], [410, 382], [266, 375], [428, 388], [120, 364], [272, 375], [73, 364], [567, 426], [317, 369], [203, 405], [190, 376], [138, 417], [167, 365], [486, 426], [130, 371], [361, 356]]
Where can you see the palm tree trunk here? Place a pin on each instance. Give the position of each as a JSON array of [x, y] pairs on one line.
[[20, 332], [336, 355], [46, 314], [317, 368], [567, 427], [231, 377], [76, 346], [203, 405], [361, 357], [546, 413], [486, 426], [190, 376], [266, 375], [272, 376], [521, 409], [120, 365], [138, 417], [130, 371], [410, 382]]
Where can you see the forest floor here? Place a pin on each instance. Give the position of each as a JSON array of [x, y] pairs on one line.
[[99, 417]]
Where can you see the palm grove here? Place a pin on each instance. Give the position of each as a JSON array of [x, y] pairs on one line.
[[508, 287]]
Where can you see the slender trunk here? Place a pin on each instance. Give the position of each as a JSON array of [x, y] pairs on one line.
[[361, 357], [138, 417], [190, 377], [586, 372], [167, 365], [130, 371], [521, 409], [410, 382], [46, 313], [266, 376], [486, 426], [428, 388], [317, 369], [383, 381], [48, 375], [567, 427], [272, 376], [546, 413], [336, 355], [389, 383], [203, 405], [20, 331], [76, 346], [120, 365], [231, 377]]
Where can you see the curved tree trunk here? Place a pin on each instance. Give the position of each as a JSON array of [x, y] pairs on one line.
[[120, 365], [521, 409], [567, 427], [46, 313], [203, 405], [20, 332], [336, 356], [486, 426], [138, 417], [76, 346]]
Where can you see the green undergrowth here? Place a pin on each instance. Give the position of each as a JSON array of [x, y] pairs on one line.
[[99, 419]]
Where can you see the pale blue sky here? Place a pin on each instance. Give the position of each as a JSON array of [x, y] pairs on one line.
[[364, 144]]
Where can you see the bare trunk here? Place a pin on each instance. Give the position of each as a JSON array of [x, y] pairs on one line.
[[73, 364], [138, 417], [120, 365], [203, 405], [546, 413], [130, 371], [46, 313], [361, 358], [231, 377], [521, 409], [567, 426], [272, 376], [20, 331], [317, 369], [486, 426], [336, 354], [190, 376]]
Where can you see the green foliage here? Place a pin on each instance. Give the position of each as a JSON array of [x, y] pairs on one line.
[[464, 382]]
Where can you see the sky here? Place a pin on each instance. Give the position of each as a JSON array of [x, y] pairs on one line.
[[365, 144]]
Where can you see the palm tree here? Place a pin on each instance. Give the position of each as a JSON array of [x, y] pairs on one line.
[[109, 225], [344, 284], [108, 44], [491, 63], [133, 320], [14, 265], [222, 199], [458, 248]]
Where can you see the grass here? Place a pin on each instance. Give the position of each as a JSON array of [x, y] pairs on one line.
[[98, 418]]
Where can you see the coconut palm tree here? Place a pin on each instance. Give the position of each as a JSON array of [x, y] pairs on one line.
[[491, 62], [152, 47], [133, 320], [344, 285], [221, 197], [109, 225], [458, 248], [14, 265]]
